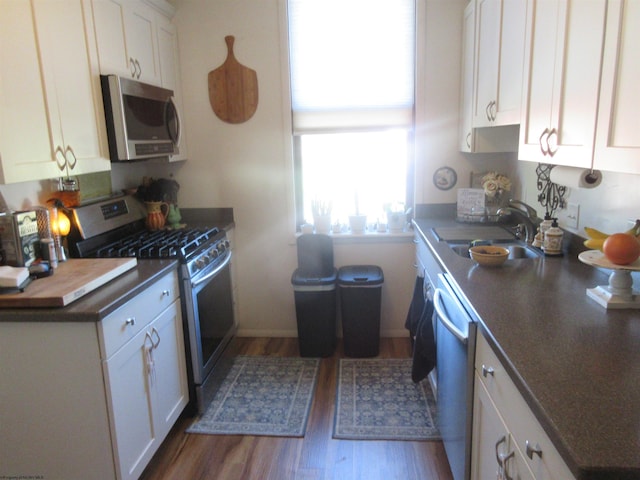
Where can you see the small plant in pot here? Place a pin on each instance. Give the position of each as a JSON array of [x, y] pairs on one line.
[[321, 210], [357, 222], [396, 216]]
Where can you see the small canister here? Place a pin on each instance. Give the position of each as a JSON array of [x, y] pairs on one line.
[[48, 251], [553, 240]]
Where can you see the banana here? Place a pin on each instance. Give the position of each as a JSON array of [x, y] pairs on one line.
[[635, 230], [594, 243], [596, 234]]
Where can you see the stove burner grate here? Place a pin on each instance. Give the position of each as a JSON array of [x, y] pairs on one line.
[[160, 244]]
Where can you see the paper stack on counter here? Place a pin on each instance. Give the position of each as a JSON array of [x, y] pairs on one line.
[[13, 277]]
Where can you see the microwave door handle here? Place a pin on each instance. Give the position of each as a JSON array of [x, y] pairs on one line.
[[178, 133], [448, 324]]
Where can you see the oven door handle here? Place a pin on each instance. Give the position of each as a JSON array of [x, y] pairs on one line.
[[213, 272], [446, 322]]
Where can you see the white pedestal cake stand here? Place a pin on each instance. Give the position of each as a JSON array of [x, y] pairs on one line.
[[620, 292]]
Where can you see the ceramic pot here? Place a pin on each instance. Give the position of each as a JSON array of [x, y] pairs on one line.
[[357, 223], [156, 215], [174, 217]]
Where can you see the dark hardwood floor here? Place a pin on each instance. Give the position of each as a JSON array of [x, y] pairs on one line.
[[315, 457]]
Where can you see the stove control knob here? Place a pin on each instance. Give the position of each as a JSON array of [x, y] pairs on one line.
[[221, 247], [226, 244], [200, 264], [194, 267]]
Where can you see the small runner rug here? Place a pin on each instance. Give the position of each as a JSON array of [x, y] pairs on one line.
[[377, 400], [262, 396]]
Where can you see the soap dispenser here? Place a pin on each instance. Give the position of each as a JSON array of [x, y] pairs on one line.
[[552, 245]]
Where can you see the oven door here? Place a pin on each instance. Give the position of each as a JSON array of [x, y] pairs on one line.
[[209, 314]]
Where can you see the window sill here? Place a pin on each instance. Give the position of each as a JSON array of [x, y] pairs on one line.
[[370, 237]]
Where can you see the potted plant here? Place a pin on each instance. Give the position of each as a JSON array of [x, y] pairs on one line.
[[321, 210], [396, 216], [358, 221]]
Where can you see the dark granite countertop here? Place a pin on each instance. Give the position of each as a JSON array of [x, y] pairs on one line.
[[576, 364], [101, 302]]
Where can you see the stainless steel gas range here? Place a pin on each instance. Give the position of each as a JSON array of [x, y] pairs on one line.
[[116, 228]]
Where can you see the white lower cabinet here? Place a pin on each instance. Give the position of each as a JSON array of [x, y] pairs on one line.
[[146, 376], [503, 423], [494, 453], [77, 407], [147, 390]]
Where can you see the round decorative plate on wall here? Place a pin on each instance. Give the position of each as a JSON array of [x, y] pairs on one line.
[[445, 178]]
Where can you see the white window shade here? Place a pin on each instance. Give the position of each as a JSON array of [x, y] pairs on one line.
[[352, 64]]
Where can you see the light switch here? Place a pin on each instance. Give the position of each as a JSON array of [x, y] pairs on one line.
[[573, 215]]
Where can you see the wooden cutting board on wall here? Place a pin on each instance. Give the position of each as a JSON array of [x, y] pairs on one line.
[[233, 89], [70, 281]]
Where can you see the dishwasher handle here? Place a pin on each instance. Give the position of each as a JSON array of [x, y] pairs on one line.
[[446, 322]]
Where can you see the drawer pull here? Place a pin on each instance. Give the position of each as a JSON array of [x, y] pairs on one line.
[[166, 293], [531, 450], [130, 321], [486, 371]]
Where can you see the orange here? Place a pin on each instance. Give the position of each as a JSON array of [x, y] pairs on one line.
[[621, 248]]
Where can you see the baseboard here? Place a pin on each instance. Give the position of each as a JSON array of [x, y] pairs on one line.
[[287, 333]]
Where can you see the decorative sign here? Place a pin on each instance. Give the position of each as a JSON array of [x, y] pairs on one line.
[[471, 203]]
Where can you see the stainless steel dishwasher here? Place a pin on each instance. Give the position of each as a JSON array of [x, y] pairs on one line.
[[456, 346]]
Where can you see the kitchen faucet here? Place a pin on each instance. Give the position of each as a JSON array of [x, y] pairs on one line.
[[528, 216]]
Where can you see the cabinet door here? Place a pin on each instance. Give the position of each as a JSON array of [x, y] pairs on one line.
[[466, 94], [25, 144], [126, 35], [70, 73], [142, 43], [127, 376], [493, 451], [170, 75], [500, 27], [618, 136], [487, 60], [561, 81], [169, 385]]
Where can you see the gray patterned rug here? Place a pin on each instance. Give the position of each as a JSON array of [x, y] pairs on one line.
[[377, 400], [262, 396]]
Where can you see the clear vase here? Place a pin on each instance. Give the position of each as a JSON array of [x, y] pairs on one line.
[[493, 204]]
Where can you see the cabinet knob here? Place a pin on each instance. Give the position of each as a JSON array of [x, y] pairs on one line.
[[130, 321], [530, 450], [486, 371], [166, 293]]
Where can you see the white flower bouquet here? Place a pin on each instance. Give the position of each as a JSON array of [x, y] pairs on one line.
[[495, 184]]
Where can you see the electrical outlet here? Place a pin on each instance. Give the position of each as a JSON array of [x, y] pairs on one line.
[[572, 215]]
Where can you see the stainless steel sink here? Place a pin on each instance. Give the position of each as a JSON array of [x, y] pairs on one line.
[[516, 249]]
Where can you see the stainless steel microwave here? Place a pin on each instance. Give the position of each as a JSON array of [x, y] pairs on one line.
[[142, 119]]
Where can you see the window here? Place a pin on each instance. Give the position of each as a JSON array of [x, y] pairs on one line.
[[352, 86]]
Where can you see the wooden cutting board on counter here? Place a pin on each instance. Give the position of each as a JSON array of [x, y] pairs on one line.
[[70, 281], [233, 89]]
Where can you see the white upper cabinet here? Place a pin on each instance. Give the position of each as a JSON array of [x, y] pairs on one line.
[[170, 75], [466, 83], [618, 134], [126, 37], [51, 117], [561, 81], [500, 39], [479, 140]]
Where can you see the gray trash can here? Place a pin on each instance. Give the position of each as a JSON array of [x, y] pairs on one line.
[[360, 289], [316, 307]]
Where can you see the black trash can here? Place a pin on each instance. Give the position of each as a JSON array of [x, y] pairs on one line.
[[316, 308], [360, 297]]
